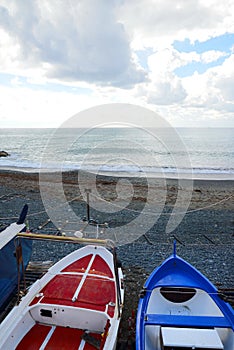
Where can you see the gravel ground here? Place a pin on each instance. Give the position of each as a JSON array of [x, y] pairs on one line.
[[204, 236]]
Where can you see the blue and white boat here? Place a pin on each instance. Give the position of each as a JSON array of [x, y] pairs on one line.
[[180, 308], [8, 263]]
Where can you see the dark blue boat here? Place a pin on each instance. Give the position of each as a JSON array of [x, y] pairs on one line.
[[180, 308], [8, 263]]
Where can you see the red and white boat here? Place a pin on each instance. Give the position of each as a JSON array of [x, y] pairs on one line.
[[77, 305]]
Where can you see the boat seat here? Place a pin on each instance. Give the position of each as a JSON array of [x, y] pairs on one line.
[[186, 321], [66, 316], [192, 338]]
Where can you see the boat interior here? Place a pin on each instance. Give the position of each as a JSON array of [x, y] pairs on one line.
[[73, 311], [197, 321]]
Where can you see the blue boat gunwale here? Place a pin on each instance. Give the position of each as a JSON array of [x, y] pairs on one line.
[[186, 276]]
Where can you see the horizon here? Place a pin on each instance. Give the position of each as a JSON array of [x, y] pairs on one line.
[[119, 127]]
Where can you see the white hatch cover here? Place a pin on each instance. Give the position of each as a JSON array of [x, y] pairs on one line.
[[191, 338]]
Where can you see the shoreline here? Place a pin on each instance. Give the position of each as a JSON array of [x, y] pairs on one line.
[[199, 176], [70, 176], [155, 176]]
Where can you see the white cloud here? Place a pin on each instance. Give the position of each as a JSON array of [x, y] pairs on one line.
[[165, 88], [70, 41], [167, 92], [209, 56], [164, 61], [156, 23], [25, 107], [224, 79], [212, 56], [210, 99]]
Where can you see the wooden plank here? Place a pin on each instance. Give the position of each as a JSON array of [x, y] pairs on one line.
[[77, 240]]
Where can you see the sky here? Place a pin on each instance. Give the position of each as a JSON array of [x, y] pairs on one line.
[[59, 57]]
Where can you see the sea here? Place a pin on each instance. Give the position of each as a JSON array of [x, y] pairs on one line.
[[200, 153]]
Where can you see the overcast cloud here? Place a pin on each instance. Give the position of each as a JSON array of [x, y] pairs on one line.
[[72, 40]]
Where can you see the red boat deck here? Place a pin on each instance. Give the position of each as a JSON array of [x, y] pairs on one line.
[[87, 283], [61, 338], [89, 277]]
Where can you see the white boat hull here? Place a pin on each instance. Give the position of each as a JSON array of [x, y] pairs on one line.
[[77, 298]]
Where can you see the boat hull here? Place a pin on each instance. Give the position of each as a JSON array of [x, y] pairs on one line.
[[8, 262], [179, 303], [71, 307], [9, 271]]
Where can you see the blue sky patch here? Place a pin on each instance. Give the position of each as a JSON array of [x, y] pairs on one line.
[[223, 43], [143, 57], [220, 43], [7, 80], [191, 68]]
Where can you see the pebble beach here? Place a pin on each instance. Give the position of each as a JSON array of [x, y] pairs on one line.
[[205, 236]]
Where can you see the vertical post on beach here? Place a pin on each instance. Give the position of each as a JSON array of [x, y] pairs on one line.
[[88, 191]]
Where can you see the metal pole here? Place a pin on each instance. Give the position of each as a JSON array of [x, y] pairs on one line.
[[88, 191]]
